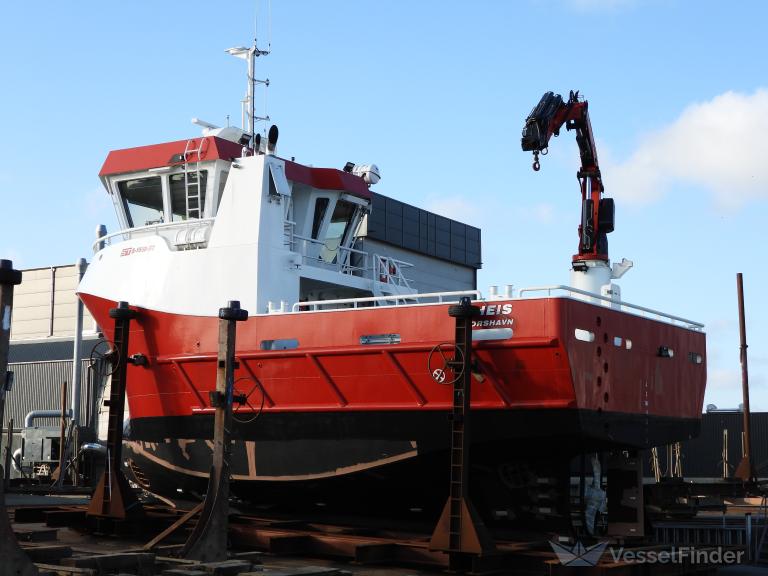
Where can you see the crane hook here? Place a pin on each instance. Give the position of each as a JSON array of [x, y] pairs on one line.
[[536, 165]]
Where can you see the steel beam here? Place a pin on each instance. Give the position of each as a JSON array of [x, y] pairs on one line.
[[13, 560]]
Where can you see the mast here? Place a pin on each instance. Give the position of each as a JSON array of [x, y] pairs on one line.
[[249, 103]]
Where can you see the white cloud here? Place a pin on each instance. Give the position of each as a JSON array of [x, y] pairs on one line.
[[597, 5], [723, 378], [717, 145]]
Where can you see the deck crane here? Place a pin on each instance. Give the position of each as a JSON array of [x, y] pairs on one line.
[[591, 268]]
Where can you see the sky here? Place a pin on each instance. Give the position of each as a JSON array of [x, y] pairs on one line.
[[436, 94]]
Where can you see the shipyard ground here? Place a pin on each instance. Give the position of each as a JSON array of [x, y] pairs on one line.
[[59, 545]]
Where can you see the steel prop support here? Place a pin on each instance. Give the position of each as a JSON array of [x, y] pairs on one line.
[[113, 497], [13, 560], [460, 532], [208, 541]]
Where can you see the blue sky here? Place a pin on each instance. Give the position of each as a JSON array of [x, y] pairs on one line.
[[436, 94]]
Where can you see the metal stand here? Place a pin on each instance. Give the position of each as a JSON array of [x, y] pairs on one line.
[[208, 541], [626, 508], [460, 532], [13, 560], [113, 497]]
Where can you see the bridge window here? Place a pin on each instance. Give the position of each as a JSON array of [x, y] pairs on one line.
[[337, 230], [179, 191], [142, 200], [321, 206]]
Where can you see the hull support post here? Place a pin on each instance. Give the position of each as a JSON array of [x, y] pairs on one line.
[[460, 532], [626, 505], [113, 498], [208, 541], [13, 560]]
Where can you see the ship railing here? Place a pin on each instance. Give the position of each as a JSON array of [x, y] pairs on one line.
[[388, 300], [623, 306], [182, 235], [343, 259], [390, 270]]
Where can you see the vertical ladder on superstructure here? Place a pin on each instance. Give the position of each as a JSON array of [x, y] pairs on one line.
[[192, 192]]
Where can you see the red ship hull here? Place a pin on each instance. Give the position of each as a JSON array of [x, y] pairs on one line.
[[330, 384]]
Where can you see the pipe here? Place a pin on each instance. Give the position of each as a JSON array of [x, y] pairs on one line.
[[52, 310], [745, 471], [76, 364], [30, 418], [101, 231], [62, 433]]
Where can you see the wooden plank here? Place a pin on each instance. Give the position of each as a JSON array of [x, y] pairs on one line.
[[65, 570], [36, 534], [48, 553], [173, 527], [138, 563]]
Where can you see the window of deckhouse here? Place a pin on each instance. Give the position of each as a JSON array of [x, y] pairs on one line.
[[143, 200], [337, 229], [179, 188], [321, 206]]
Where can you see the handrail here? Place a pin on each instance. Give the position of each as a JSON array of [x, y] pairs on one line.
[[196, 223], [548, 289], [396, 297], [343, 259], [322, 243]]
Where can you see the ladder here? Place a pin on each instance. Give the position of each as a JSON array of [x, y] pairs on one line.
[[459, 463], [460, 532], [192, 192]]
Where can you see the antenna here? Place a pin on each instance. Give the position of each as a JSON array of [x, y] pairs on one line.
[[249, 103]]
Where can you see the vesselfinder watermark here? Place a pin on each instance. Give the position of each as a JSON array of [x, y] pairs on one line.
[[580, 555]]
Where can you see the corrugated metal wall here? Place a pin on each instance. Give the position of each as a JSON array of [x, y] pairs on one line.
[[702, 456], [37, 386]]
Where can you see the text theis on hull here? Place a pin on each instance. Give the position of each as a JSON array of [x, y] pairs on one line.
[[348, 293]]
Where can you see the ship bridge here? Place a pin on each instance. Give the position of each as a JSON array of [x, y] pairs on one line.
[[312, 229]]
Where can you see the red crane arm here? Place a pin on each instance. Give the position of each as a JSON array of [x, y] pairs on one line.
[[597, 214]]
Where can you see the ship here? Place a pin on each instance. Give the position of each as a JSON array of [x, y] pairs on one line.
[[348, 292]]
